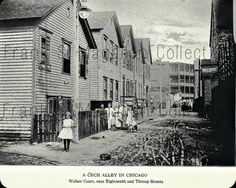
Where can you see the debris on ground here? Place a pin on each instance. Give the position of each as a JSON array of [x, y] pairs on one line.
[[19, 159], [174, 143]]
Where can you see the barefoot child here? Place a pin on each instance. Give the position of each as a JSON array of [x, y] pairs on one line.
[[66, 133]]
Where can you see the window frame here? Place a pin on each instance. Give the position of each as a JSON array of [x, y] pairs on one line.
[[85, 63], [111, 89], [66, 42], [105, 89], [46, 50]]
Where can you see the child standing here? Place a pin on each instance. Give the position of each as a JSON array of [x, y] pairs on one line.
[[129, 117], [66, 133]]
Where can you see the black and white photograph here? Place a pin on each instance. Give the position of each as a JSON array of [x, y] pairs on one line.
[[117, 83]]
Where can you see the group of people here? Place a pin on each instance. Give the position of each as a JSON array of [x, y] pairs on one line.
[[121, 116]]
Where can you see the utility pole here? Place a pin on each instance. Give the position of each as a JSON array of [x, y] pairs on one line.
[[76, 68], [199, 78], [160, 89]]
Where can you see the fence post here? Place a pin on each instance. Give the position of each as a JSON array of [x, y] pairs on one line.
[[40, 128], [35, 128]]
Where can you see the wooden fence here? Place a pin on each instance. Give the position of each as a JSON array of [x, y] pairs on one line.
[[91, 122], [46, 127], [140, 114]]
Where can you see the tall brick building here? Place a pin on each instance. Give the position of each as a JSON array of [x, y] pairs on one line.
[[223, 53]]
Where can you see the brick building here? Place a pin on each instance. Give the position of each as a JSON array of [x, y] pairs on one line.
[[223, 53], [172, 79]]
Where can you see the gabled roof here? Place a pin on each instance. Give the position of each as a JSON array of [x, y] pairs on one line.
[[147, 46], [88, 33], [125, 31], [19, 9], [98, 20], [138, 45]]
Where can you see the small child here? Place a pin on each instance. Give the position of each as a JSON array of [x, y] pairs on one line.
[[66, 133]]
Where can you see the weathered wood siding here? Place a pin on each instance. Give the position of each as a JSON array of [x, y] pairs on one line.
[[84, 90], [108, 69], [129, 75], [94, 68], [16, 46], [55, 83]]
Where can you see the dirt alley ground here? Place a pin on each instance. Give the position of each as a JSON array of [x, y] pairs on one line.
[[167, 141]]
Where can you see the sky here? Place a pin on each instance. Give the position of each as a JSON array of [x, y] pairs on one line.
[[178, 29]]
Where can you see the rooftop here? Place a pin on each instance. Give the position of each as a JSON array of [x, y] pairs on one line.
[[19, 9], [98, 20]]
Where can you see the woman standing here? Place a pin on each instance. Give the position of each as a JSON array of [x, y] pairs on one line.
[[66, 133], [110, 118], [129, 117]]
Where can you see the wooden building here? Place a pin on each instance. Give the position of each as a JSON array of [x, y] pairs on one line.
[[106, 62], [128, 64], [36, 62]]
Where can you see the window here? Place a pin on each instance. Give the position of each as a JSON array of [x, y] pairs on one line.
[[123, 80], [192, 90], [182, 89], [186, 79], [127, 88], [182, 79], [105, 53], [66, 53], [105, 88], [132, 88], [192, 79], [111, 89], [111, 51], [117, 91], [187, 68], [191, 68], [83, 59], [45, 52], [182, 67], [174, 79], [115, 55], [187, 90], [174, 67]]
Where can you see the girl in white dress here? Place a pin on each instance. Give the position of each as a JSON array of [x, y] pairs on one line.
[[66, 133]]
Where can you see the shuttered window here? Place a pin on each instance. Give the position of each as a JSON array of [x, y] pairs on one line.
[[66, 53], [83, 59]]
